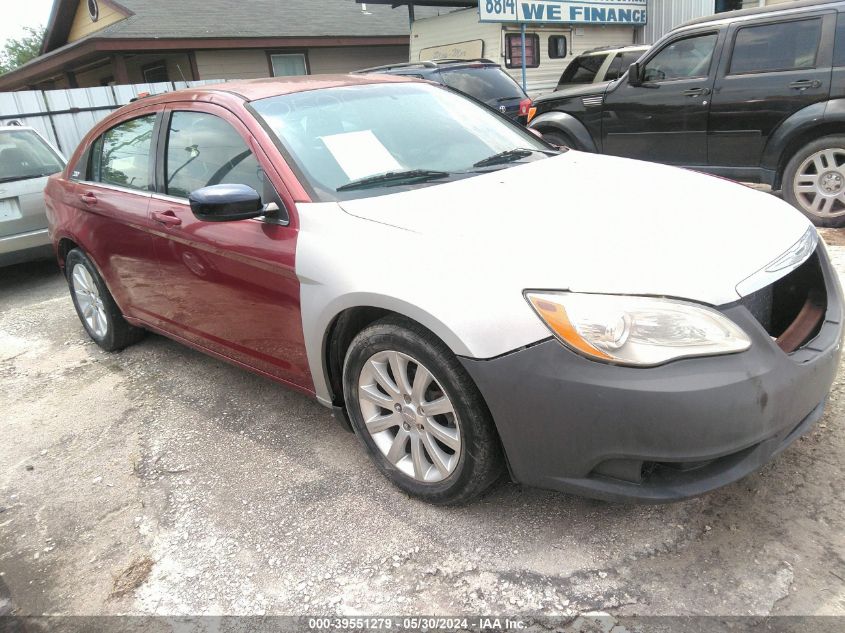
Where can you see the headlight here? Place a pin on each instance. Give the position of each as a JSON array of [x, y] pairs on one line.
[[642, 331]]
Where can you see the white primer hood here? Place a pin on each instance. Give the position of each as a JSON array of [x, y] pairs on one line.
[[591, 223]]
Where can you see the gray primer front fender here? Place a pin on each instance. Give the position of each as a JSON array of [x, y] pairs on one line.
[[569, 125], [317, 333]]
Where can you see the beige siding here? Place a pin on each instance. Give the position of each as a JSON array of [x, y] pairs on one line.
[[94, 77], [174, 62], [579, 39], [232, 64], [459, 26], [82, 24], [347, 59], [464, 25], [747, 4]]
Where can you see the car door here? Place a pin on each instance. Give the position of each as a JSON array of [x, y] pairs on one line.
[[664, 118], [113, 199], [229, 287], [772, 68]]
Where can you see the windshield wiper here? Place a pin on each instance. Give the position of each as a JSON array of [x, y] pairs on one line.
[[511, 155], [394, 178]]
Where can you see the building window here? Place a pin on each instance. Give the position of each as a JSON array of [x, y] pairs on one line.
[[288, 64], [728, 5], [557, 46], [155, 73], [513, 50]]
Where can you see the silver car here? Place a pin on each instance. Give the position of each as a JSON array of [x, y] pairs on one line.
[[26, 160]]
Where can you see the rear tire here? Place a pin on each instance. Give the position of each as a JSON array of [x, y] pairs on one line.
[[814, 181], [95, 306], [448, 457]]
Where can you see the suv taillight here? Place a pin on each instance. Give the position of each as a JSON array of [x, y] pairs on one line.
[[524, 106]]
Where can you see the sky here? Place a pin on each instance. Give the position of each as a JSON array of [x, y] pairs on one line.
[[17, 15]]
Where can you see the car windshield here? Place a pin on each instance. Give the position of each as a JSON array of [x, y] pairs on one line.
[[380, 137], [582, 69], [24, 154], [486, 83]]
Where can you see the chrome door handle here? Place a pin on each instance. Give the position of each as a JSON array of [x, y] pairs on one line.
[[803, 84], [696, 92]]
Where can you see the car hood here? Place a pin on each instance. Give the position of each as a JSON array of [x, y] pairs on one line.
[[590, 223], [575, 90]]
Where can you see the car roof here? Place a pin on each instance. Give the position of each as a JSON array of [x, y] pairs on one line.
[[253, 89], [433, 64], [728, 16], [7, 128], [602, 50]]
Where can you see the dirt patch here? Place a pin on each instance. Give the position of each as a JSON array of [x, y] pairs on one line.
[[833, 237], [132, 577]]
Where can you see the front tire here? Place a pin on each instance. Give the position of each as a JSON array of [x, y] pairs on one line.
[[560, 139], [419, 414], [95, 306], [814, 181]]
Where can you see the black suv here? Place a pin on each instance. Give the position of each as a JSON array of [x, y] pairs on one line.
[[756, 95], [481, 79]]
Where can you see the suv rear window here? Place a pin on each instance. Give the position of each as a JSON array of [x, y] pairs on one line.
[[489, 84], [772, 47], [582, 69], [620, 64], [24, 154]]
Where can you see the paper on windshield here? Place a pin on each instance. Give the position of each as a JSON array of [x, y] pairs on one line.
[[360, 154]]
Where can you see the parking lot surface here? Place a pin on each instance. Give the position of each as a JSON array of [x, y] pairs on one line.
[[160, 481]]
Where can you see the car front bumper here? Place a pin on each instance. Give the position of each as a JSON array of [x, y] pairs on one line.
[[665, 433]]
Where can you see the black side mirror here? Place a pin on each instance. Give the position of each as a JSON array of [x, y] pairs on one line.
[[226, 203], [635, 77]]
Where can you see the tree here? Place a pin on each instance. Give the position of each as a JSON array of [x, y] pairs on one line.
[[17, 52]]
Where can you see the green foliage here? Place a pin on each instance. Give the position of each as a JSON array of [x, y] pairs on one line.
[[17, 52]]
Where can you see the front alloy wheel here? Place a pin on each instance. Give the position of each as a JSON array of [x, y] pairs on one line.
[[419, 414], [409, 416]]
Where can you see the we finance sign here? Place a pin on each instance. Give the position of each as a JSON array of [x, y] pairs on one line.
[[628, 12]]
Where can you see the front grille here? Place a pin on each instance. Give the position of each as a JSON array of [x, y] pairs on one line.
[[792, 309]]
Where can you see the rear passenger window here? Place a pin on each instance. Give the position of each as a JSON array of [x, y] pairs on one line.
[[121, 156], [582, 69], [773, 47], [204, 150]]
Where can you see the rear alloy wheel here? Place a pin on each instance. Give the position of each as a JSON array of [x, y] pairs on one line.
[[814, 181], [95, 306], [419, 414]]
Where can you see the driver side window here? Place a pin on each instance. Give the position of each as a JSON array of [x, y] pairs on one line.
[[688, 58], [204, 150]]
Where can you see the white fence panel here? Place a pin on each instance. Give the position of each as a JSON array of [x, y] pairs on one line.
[[76, 111], [65, 116]]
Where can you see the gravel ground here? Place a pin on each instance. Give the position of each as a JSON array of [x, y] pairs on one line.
[[160, 481]]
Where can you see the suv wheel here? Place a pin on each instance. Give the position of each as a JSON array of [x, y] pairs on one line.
[[419, 414], [814, 181], [560, 139]]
